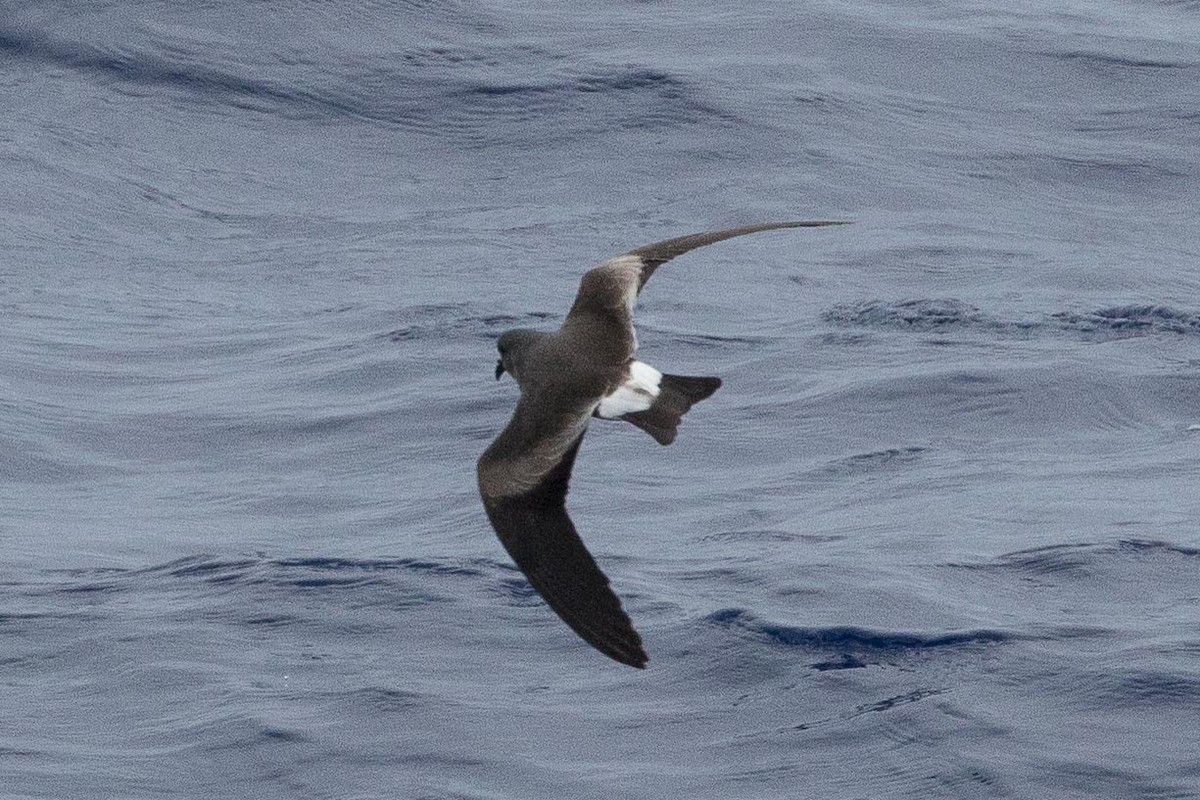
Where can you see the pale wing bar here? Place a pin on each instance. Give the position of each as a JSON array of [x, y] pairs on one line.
[[530, 447]]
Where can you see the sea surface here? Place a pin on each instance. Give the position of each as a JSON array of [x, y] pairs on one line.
[[938, 535]]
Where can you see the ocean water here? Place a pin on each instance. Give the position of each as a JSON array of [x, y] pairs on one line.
[[938, 535]]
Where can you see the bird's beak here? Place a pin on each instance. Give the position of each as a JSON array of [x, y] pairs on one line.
[[499, 369]]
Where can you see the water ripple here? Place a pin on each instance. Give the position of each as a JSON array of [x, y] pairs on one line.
[[940, 314], [856, 645]]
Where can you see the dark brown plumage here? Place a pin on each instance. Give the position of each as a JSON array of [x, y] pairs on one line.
[[584, 369]]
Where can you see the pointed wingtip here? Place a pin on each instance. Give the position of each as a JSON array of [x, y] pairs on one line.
[[630, 653], [637, 660], [658, 253], [806, 223]]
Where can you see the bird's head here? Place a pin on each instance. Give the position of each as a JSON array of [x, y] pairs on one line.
[[513, 347]]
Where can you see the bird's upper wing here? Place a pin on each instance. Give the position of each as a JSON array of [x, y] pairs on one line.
[[523, 480], [604, 304]]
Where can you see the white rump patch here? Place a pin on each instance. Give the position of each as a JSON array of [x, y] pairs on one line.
[[637, 393]]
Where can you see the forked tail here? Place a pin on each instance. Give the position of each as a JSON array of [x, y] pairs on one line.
[[676, 394]]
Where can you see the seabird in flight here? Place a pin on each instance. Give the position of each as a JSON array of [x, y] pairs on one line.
[[585, 369]]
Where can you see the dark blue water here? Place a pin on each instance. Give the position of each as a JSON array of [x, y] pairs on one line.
[[937, 536]]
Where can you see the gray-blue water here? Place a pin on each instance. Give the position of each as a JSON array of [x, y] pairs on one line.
[[938, 536]]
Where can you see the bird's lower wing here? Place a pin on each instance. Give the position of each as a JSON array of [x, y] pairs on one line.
[[536, 531]]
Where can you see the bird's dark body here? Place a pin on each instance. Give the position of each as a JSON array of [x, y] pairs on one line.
[[584, 369]]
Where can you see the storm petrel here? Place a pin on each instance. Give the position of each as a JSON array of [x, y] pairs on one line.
[[585, 369]]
